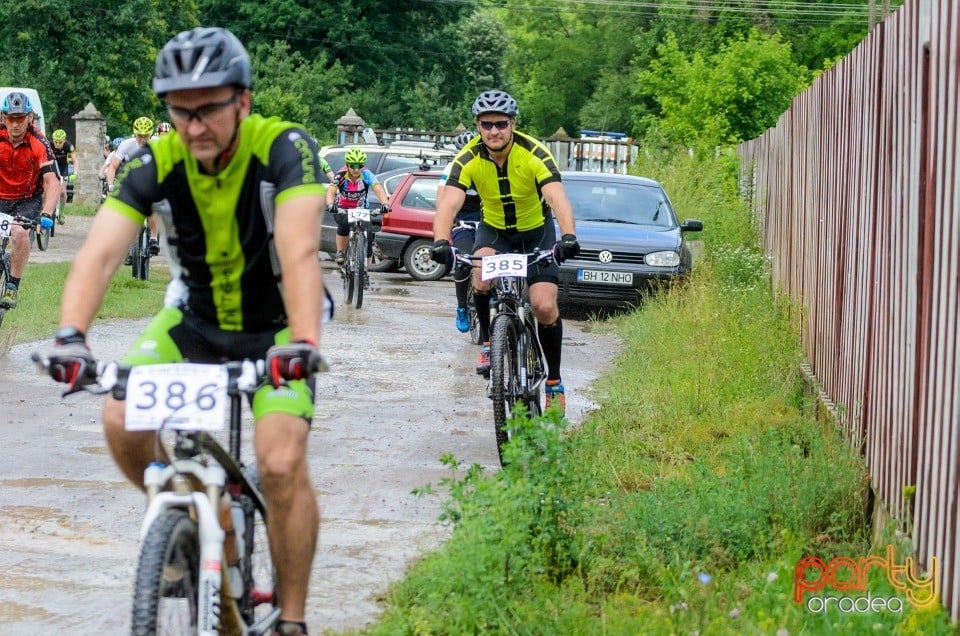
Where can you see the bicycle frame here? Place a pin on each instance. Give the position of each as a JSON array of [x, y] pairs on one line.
[[355, 257], [194, 481], [518, 368]]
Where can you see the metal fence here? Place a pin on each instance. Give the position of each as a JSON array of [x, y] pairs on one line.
[[857, 192], [589, 154]]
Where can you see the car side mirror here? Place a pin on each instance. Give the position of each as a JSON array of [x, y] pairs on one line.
[[692, 225]]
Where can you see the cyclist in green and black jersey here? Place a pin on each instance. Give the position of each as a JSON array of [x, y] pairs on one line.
[[245, 199], [518, 182]]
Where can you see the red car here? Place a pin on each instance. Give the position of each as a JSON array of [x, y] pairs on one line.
[[407, 233]]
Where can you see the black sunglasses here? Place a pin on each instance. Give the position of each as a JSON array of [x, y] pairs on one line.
[[355, 166], [488, 125], [201, 113]]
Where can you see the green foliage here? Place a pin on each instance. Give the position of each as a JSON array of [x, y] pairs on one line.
[[732, 95], [684, 503], [37, 312], [287, 85], [79, 51]]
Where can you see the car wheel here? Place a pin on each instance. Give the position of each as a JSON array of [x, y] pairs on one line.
[[380, 264], [416, 260]]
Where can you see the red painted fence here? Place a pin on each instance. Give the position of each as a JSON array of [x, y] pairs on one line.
[[857, 193]]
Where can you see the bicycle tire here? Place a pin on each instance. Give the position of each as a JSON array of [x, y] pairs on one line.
[[160, 596], [143, 241], [349, 276], [360, 265], [259, 575], [42, 238], [536, 372], [472, 316], [56, 218], [504, 376], [4, 274]]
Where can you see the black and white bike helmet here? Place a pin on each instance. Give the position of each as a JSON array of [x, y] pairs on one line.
[[495, 102], [203, 57], [463, 139]]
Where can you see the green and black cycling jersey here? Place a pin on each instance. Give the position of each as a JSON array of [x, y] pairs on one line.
[[220, 227], [511, 196]]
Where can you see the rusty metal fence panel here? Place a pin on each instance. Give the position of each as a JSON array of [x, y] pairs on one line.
[[856, 194]]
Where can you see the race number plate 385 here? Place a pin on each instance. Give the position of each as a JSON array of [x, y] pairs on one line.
[[499, 265], [186, 397]]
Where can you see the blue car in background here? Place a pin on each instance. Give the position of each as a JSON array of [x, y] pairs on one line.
[[631, 240]]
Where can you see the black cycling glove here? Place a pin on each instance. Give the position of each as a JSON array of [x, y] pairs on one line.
[[566, 247], [442, 252]]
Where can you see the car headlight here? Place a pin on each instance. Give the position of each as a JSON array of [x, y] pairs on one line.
[[662, 259]]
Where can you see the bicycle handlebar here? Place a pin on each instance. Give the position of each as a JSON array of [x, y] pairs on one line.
[[250, 375], [469, 260]]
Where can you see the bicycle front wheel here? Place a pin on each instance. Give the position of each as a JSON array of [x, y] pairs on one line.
[[349, 276], [472, 314], [165, 594], [141, 263], [504, 376], [360, 265], [42, 237]]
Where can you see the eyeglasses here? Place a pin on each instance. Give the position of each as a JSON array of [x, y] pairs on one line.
[[15, 119], [355, 166], [201, 113], [488, 125]]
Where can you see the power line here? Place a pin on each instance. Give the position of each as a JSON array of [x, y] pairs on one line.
[[678, 10]]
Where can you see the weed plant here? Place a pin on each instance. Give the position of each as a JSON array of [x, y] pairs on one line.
[[38, 310], [683, 504]]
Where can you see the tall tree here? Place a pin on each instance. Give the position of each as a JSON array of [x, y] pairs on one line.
[[78, 51]]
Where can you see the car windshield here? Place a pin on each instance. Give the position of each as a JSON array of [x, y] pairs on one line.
[[619, 203]]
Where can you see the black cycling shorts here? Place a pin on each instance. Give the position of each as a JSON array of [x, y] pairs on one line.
[[30, 207], [514, 242]]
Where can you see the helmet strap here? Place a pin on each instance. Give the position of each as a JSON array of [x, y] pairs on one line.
[[224, 157]]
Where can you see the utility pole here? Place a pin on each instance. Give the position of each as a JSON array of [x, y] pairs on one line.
[[872, 12]]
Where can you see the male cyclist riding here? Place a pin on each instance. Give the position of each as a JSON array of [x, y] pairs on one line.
[[245, 198], [517, 179]]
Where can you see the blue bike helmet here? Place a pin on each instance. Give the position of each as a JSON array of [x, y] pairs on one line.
[[16, 103]]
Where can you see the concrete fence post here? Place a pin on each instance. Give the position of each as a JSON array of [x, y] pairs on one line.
[[91, 135]]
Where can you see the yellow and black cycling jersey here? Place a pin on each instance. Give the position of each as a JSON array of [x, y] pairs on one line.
[[220, 227], [511, 196]]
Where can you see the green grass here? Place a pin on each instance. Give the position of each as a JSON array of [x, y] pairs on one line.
[[77, 209], [683, 505], [38, 309]]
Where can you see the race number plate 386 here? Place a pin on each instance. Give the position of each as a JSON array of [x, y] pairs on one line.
[[499, 265], [186, 397]]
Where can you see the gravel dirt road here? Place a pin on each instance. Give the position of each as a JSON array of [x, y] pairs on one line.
[[400, 393]]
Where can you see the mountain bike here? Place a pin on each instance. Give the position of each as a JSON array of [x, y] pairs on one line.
[[354, 267], [517, 366], [6, 226], [184, 581]]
